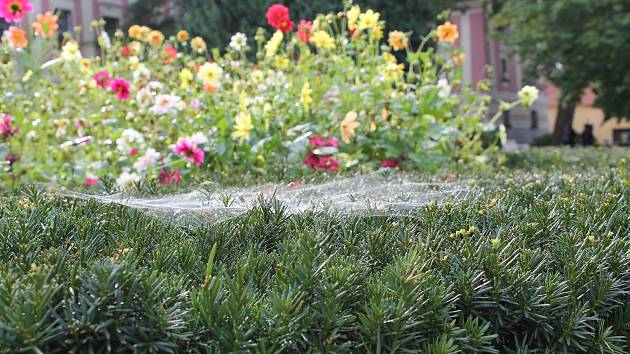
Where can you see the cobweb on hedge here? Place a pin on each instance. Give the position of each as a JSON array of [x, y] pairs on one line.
[[376, 194]]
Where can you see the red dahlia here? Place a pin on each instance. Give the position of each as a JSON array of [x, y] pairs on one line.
[[278, 17]]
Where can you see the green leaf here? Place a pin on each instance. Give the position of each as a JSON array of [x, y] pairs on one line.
[[210, 264]]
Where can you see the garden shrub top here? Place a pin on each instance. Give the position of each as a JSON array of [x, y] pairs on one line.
[[538, 262]]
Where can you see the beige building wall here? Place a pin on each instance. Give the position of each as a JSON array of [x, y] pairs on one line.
[[602, 130], [612, 131]]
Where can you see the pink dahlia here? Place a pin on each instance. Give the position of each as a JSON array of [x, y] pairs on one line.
[[311, 160], [305, 31], [167, 177], [91, 181], [332, 142], [11, 159], [6, 130], [195, 104], [14, 10], [327, 163], [170, 54], [390, 163], [322, 162], [190, 151], [102, 79], [120, 87], [318, 141]]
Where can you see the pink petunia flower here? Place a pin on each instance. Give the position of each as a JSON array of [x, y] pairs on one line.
[[120, 87], [133, 152], [102, 79], [14, 10], [190, 151]]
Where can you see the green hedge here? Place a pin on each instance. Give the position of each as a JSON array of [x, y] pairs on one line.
[[538, 263]]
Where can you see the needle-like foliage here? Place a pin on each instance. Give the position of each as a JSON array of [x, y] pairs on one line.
[[538, 263]]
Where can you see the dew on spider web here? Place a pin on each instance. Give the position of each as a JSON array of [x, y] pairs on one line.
[[378, 193]]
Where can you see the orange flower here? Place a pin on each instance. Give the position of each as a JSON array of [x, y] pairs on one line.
[[459, 58], [138, 32], [156, 38], [384, 114], [398, 40], [210, 88], [348, 125], [198, 44], [182, 36], [17, 37], [447, 32], [46, 25]]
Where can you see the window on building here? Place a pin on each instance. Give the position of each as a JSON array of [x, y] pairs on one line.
[[621, 137], [111, 25], [66, 24], [506, 120], [534, 115], [65, 20], [505, 72]]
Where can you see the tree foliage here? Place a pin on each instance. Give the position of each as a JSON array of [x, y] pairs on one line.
[[574, 44]]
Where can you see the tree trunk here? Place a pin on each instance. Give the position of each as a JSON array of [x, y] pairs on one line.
[[564, 122]]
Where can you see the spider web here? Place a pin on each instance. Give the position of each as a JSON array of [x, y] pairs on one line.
[[373, 194]]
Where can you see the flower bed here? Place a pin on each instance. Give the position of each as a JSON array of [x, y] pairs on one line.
[[169, 109]]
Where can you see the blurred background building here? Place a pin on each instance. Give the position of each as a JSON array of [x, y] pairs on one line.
[[606, 132], [81, 13], [524, 126]]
